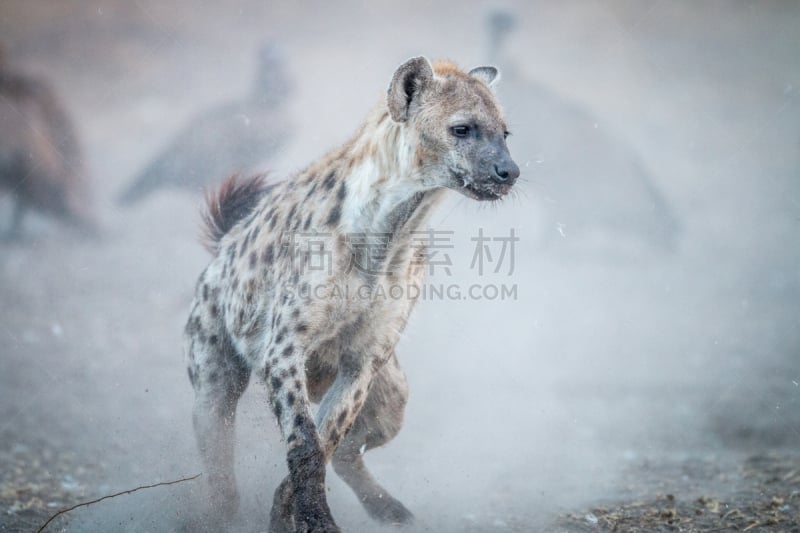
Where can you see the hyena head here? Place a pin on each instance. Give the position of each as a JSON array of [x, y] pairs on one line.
[[455, 126]]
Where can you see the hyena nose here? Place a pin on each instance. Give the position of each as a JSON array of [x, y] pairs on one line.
[[505, 172]]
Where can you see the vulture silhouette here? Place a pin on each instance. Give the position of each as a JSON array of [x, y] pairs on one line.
[[234, 137]]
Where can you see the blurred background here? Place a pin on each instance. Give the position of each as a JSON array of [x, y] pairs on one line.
[[655, 333]]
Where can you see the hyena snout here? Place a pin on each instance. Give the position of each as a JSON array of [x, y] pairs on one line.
[[504, 171], [494, 176]]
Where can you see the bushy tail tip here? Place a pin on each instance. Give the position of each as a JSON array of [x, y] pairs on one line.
[[231, 202]]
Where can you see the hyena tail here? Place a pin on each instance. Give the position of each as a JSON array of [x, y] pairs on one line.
[[225, 207]]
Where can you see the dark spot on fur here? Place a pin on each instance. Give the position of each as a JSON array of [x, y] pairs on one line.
[[205, 292], [269, 254], [290, 399], [213, 339], [295, 313], [288, 351], [357, 395], [307, 223], [293, 371], [253, 259], [213, 377], [278, 408], [330, 180], [298, 385], [311, 191], [273, 222], [291, 438], [342, 192], [302, 327], [194, 325], [281, 335], [335, 436], [341, 418], [214, 310], [335, 215], [276, 383]]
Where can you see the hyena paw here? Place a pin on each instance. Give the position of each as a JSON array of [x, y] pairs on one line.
[[315, 519], [318, 526], [313, 515], [388, 510]]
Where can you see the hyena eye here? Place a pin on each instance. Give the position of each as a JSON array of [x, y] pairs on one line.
[[460, 131], [506, 134]]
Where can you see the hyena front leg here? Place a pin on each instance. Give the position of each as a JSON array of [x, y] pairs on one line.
[[299, 503], [219, 377], [364, 408], [378, 422], [344, 400]]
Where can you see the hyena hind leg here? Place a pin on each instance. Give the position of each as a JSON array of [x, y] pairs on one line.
[[219, 377], [378, 422]]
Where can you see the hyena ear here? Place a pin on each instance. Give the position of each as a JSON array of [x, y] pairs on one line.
[[409, 80], [489, 75]]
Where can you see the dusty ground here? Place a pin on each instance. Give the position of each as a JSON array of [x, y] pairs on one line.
[[627, 388]]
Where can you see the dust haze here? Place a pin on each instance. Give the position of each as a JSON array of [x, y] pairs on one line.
[[654, 320]]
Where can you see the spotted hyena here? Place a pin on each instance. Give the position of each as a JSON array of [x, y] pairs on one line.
[[316, 335]]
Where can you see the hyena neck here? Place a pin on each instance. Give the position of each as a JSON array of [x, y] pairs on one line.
[[386, 193]]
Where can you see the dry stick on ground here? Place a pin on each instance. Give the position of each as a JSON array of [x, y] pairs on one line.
[[84, 504]]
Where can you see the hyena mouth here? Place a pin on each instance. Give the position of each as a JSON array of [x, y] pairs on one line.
[[484, 191]]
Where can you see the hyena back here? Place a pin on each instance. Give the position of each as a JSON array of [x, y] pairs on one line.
[[440, 128]]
